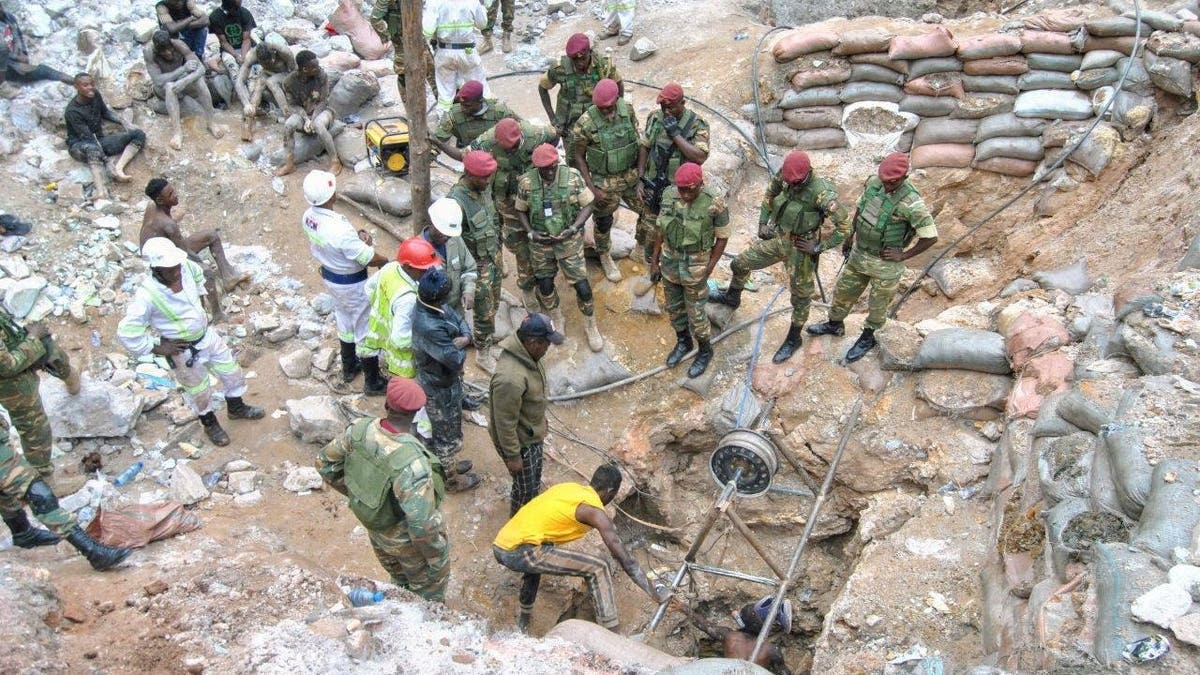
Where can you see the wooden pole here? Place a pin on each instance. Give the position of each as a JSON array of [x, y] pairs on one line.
[[419, 156]]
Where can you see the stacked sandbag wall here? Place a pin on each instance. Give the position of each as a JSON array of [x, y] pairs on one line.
[[1003, 102]]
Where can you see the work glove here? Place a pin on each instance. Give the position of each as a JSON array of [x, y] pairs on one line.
[[671, 126]]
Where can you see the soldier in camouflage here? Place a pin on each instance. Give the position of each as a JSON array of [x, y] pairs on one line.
[[480, 231], [789, 225], [889, 214], [674, 135], [511, 144], [576, 76], [385, 19], [26, 351], [693, 228], [469, 117], [396, 487], [553, 205]]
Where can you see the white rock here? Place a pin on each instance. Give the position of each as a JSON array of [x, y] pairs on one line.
[[261, 323], [1186, 577], [316, 419], [23, 295], [340, 43], [303, 478], [99, 410], [1161, 605], [242, 482], [642, 49], [1187, 629], [237, 465], [15, 267], [37, 20], [324, 358], [296, 364], [108, 222], [187, 487], [248, 499]]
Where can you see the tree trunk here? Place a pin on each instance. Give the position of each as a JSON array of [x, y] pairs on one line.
[[414, 107]]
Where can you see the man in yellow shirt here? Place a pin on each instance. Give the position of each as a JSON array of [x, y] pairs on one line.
[[530, 544]]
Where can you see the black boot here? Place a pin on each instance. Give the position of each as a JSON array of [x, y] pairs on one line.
[[827, 328], [682, 347], [730, 298], [26, 535], [864, 344], [212, 429], [373, 382], [100, 556], [240, 410], [704, 354], [351, 366], [790, 344]]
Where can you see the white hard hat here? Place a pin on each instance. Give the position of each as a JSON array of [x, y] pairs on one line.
[[446, 216], [161, 252], [319, 186]]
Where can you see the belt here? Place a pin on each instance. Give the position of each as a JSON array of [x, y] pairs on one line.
[[454, 45], [688, 250], [335, 278]]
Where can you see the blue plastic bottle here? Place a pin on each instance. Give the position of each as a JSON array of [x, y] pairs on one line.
[[361, 597], [129, 474]]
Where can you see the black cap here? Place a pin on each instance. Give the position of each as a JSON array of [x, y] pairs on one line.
[[539, 327], [433, 287]]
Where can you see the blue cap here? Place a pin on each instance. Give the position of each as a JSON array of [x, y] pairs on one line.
[[433, 287], [539, 327]]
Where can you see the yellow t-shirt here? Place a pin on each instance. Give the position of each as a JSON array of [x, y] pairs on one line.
[[549, 517]]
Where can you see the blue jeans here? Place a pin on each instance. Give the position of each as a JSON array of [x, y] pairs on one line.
[[195, 38]]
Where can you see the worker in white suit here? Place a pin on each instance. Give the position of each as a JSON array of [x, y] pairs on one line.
[[452, 28]]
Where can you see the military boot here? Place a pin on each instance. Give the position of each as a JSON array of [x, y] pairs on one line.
[[212, 429], [351, 366], [26, 535], [100, 556], [704, 354], [374, 383], [595, 341], [827, 328], [611, 271], [730, 298], [529, 298], [683, 345], [790, 344], [556, 316], [485, 45], [485, 360], [864, 344], [506, 42], [240, 410]]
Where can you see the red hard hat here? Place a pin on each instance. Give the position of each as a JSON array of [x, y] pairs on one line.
[[418, 253]]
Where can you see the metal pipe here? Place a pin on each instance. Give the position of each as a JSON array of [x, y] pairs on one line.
[[722, 572], [792, 492], [808, 528], [740, 525]]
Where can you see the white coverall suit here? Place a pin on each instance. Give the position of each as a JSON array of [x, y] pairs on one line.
[[453, 26], [334, 242]]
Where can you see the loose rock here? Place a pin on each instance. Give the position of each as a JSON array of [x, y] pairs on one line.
[[1162, 605], [303, 479]]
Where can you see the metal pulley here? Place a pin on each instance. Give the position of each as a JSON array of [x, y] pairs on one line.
[[751, 452]]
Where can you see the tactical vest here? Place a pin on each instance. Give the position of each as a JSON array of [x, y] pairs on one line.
[[371, 471], [687, 228], [575, 91], [795, 210], [664, 147], [12, 334], [510, 164], [563, 211], [468, 127], [616, 150], [875, 229], [392, 284], [480, 224]]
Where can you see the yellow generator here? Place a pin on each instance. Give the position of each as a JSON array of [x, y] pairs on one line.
[[387, 144]]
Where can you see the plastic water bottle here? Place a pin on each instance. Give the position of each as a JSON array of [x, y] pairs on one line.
[[361, 597], [129, 474]]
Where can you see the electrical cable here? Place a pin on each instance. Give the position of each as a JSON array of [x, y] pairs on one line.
[[744, 397]]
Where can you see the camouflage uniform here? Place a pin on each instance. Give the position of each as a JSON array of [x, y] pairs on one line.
[[480, 233], [385, 19], [510, 165], [16, 475], [464, 128], [20, 361], [689, 232], [659, 145], [796, 212], [611, 152], [575, 90], [882, 221], [396, 487], [564, 199]]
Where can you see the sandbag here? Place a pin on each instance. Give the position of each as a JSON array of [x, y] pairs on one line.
[[1009, 125], [1041, 376], [1192, 28], [800, 41], [811, 97], [834, 72], [944, 130], [1137, 80], [1058, 518], [1100, 58], [980, 106], [963, 348], [866, 72], [1057, 20], [1044, 79], [1090, 43], [937, 84], [1116, 26], [1073, 279], [1058, 133], [808, 139], [853, 92], [937, 42], [881, 59], [1129, 111], [1120, 576], [1052, 104], [813, 118], [927, 66], [349, 21], [988, 46], [1032, 334], [904, 143], [947, 155], [1063, 63], [389, 194], [1097, 149], [1046, 42], [136, 525], [1156, 20], [1130, 471], [1171, 512], [355, 88], [862, 41], [1007, 166], [996, 84], [1173, 76], [340, 61], [1048, 422], [1064, 466], [929, 106], [766, 113], [1095, 78], [1003, 65]]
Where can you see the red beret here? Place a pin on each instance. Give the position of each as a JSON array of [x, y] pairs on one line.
[[689, 174], [796, 166], [672, 93], [472, 90], [577, 44], [605, 93], [405, 395], [508, 133], [545, 155], [479, 163], [893, 167]]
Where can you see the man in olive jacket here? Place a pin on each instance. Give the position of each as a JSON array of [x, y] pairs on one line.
[[517, 419]]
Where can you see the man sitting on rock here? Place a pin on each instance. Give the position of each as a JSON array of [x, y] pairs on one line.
[[275, 62], [307, 91], [232, 24], [175, 71], [183, 19], [86, 142], [158, 222], [14, 56]]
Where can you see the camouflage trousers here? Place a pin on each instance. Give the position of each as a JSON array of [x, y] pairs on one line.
[[534, 561], [801, 269], [506, 10], [487, 301], [549, 258], [647, 226], [443, 405], [864, 269], [516, 239], [398, 59], [15, 477], [19, 396], [615, 188], [685, 286], [406, 564]]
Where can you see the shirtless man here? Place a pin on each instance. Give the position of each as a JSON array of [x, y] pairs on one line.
[[175, 71], [307, 90], [739, 644], [158, 222], [276, 63]]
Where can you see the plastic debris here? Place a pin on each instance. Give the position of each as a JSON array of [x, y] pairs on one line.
[[1146, 650]]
